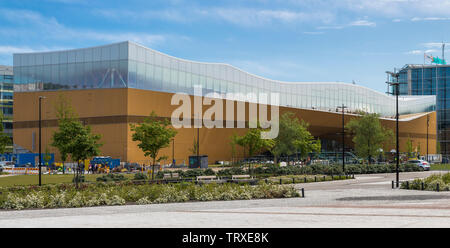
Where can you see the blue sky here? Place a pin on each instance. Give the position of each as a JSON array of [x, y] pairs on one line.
[[291, 40]]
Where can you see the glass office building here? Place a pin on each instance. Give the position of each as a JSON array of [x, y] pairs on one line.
[[426, 80], [129, 65], [6, 100]]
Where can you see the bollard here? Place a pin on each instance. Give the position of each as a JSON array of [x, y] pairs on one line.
[[304, 179], [315, 179], [437, 187], [422, 187], [392, 184], [303, 192], [407, 184], [281, 181]]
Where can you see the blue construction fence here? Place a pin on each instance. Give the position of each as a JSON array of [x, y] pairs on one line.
[[31, 160], [24, 159], [112, 163]]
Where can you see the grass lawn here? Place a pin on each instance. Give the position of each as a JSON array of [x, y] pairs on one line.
[[46, 179], [440, 167]]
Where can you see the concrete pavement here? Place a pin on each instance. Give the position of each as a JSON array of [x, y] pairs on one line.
[[366, 201]]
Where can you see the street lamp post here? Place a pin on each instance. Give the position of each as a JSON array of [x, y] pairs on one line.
[[40, 139], [396, 85], [343, 138], [173, 152], [428, 123], [198, 147]]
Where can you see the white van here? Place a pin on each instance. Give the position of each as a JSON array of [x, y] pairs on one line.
[[8, 164]]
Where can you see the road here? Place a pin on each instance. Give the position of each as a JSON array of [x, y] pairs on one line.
[[366, 201]]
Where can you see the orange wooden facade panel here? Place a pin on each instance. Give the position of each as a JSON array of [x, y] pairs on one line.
[[110, 111]]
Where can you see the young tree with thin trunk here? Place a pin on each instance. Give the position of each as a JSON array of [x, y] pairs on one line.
[[369, 135], [153, 135], [73, 138], [294, 137]]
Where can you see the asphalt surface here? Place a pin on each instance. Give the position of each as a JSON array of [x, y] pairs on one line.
[[366, 201]]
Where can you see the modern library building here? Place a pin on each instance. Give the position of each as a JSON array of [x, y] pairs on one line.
[[115, 85]]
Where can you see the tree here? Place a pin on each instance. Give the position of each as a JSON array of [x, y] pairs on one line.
[[409, 147], [194, 148], [64, 113], [233, 143], [294, 137], [74, 139], [253, 142], [47, 156], [5, 140], [369, 135], [153, 135]]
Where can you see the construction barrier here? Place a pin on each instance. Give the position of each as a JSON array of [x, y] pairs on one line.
[[24, 171]]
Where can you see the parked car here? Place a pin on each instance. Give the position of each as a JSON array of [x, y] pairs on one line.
[[422, 163], [6, 164]]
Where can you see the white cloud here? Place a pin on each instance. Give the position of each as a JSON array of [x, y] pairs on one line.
[[144, 15], [260, 17], [357, 23], [8, 50], [416, 52], [363, 23], [13, 49], [435, 44], [416, 19], [34, 25]]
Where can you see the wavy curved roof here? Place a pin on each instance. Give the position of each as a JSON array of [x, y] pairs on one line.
[[128, 64]]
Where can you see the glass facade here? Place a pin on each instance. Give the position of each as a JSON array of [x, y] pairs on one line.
[[431, 80], [130, 65], [6, 100]]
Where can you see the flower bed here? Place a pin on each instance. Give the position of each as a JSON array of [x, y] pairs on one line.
[[101, 194]]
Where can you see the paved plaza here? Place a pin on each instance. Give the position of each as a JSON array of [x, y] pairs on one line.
[[366, 201]]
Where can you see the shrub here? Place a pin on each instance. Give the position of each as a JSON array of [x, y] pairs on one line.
[[140, 176], [430, 183], [81, 179], [111, 178]]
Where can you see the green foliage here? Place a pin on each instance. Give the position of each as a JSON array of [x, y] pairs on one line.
[[409, 148], [253, 142], [430, 183], [111, 178], [4, 139], [72, 138], [293, 137], [369, 135], [152, 136], [194, 148], [101, 194], [140, 176], [233, 143], [78, 179], [64, 113], [47, 156], [76, 140]]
